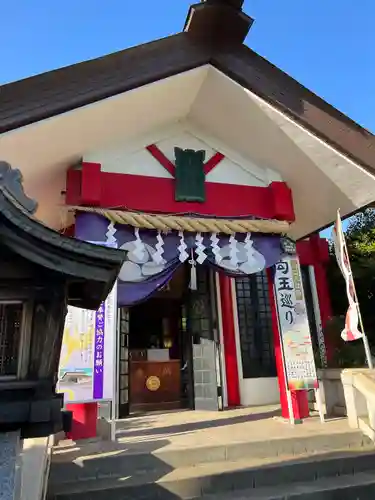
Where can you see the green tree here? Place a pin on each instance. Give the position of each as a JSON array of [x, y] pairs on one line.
[[360, 240]]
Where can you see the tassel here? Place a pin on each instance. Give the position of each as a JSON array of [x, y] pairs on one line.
[[193, 273]]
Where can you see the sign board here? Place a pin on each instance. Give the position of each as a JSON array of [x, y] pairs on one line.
[[294, 327], [87, 353]]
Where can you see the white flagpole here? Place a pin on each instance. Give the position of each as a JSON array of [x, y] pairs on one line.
[[364, 336]]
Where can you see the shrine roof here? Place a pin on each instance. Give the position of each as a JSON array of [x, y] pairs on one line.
[[89, 270], [213, 34]]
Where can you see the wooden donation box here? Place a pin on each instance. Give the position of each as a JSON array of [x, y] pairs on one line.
[[41, 273], [155, 380]]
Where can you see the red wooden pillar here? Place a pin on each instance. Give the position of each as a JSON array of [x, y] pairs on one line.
[[299, 398], [314, 252], [229, 336], [320, 253]]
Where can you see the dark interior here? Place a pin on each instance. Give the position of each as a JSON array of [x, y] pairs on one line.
[[160, 324], [156, 324]]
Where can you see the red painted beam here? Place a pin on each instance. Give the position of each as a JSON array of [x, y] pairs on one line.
[[91, 184], [305, 253], [150, 194], [212, 162], [161, 158], [73, 186], [283, 201], [169, 166], [157, 194], [322, 247], [314, 250]]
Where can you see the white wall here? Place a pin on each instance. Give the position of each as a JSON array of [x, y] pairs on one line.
[[134, 159], [259, 391]]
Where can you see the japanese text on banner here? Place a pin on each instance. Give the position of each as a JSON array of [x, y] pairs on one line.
[[294, 326], [87, 355]]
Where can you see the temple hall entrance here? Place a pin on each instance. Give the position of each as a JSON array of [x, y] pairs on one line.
[[170, 354]]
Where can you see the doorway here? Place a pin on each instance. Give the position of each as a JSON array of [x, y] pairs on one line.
[[169, 352], [157, 356]]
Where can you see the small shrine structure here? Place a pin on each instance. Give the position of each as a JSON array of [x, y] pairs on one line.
[[41, 273]]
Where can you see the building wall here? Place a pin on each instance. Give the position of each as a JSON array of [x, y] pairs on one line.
[[140, 176], [135, 159]]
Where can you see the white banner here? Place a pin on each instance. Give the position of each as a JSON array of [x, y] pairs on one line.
[[351, 331], [87, 353], [294, 326]]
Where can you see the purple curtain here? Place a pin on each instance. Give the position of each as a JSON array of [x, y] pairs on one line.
[[152, 258]]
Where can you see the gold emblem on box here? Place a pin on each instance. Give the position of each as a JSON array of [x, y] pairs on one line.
[[153, 383]]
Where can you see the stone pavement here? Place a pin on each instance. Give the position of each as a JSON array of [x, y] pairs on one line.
[[185, 455], [194, 429]]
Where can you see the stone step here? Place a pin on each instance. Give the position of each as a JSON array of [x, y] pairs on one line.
[[250, 477], [124, 460], [357, 487]]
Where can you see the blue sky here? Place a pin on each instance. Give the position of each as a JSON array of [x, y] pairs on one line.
[[326, 45]]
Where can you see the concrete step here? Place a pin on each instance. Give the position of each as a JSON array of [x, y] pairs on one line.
[[249, 477], [123, 460], [356, 487]]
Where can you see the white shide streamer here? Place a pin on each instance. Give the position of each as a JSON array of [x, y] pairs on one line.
[[215, 248], [157, 257], [110, 234], [249, 246], [139, 247], [200, 248], [183, 255], [233, 258]]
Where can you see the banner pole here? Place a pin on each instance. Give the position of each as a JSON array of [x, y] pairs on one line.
[[364, 336]]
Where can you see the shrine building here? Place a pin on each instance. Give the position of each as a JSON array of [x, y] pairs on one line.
[[197, 157]]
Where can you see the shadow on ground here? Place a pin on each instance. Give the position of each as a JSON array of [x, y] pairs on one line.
[[145, 425]]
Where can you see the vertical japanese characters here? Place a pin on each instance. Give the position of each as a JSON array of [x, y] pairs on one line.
[[294, 325], [99, 352], [285, 291]]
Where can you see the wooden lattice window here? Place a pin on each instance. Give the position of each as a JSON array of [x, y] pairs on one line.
[[255, 326], [11, 314]]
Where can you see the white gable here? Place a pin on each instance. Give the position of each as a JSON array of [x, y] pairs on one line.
[[134, 158], [121, 161]]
